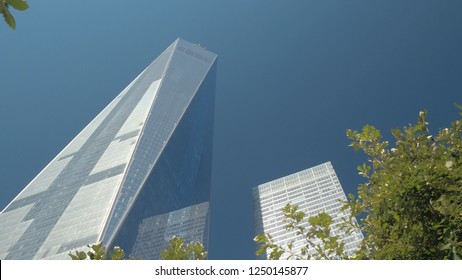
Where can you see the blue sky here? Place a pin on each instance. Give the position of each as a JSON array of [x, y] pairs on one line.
[[292, 77]]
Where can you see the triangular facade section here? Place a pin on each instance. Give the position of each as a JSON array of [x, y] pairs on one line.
[[85, 195]]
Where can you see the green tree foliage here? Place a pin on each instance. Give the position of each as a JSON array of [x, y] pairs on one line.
[[99, 252], [178, 250], [327, 247], [411, 202], [20, 5], [412, 197]]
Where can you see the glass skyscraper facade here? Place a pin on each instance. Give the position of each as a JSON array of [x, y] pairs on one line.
[[314, 190], [138, 174]]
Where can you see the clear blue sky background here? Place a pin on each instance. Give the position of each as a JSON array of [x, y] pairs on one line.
[[292, 77]]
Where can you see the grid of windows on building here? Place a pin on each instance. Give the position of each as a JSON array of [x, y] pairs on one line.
[[314, 190]]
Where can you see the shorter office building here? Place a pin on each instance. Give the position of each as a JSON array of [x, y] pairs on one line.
[[314, 190]]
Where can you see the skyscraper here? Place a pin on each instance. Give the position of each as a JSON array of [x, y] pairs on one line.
[[139, 173], [314, 190]]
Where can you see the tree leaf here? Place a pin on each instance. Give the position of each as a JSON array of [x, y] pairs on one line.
[[20, 5], [8, 17]]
